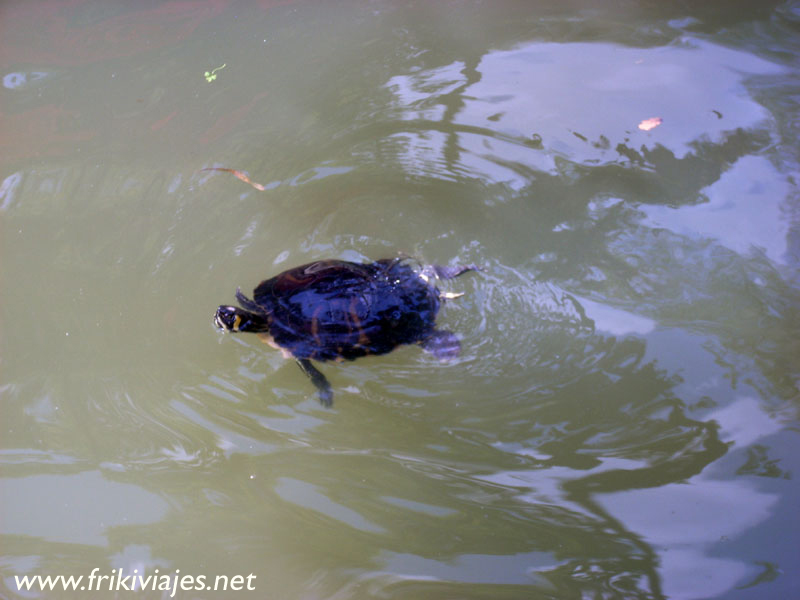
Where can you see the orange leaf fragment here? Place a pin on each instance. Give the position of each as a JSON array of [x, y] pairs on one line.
[[239, 175], [651, 123]]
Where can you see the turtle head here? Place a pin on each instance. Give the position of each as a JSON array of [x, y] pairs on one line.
[[231, 318]]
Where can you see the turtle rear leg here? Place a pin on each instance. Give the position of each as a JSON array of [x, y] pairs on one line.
[[319, 380], [442, 272], [444, 345]]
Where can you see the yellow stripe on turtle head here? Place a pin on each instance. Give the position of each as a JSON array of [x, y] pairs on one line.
[[236, 322]]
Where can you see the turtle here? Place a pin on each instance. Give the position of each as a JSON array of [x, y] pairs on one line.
[[340, 310]]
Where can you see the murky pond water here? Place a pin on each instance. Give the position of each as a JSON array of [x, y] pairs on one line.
[[622, 421]]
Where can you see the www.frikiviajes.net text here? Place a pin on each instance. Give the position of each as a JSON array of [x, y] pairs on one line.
[[117, 581]]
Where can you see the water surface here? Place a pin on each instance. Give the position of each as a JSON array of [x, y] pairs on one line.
[[622, 421]]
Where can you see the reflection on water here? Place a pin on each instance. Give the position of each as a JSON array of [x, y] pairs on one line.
[[743, 211], [683, 521], [57, 521], [483, 120], [620, 421]]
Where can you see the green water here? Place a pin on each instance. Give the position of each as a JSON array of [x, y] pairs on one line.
[[623, 419]]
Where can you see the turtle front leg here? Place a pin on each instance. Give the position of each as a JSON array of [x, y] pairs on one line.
[[319, 380]]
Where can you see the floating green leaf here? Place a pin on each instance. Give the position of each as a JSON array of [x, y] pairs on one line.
[[212, 75]]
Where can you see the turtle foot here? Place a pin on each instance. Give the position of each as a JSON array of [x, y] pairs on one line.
[[319, 380], [444, 345], [443, 272]]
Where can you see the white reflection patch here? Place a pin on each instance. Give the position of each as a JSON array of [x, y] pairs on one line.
[[614, 320], [8, 190], [743, 210]]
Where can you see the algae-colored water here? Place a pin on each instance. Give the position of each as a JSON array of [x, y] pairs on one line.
[[622, 421]]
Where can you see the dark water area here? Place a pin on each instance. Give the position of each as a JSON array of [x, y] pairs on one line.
[[622, 421]]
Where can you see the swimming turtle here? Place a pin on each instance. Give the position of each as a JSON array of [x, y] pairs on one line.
[[340, 310]]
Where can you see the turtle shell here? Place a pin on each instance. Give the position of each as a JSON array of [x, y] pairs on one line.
[[333, 309]]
